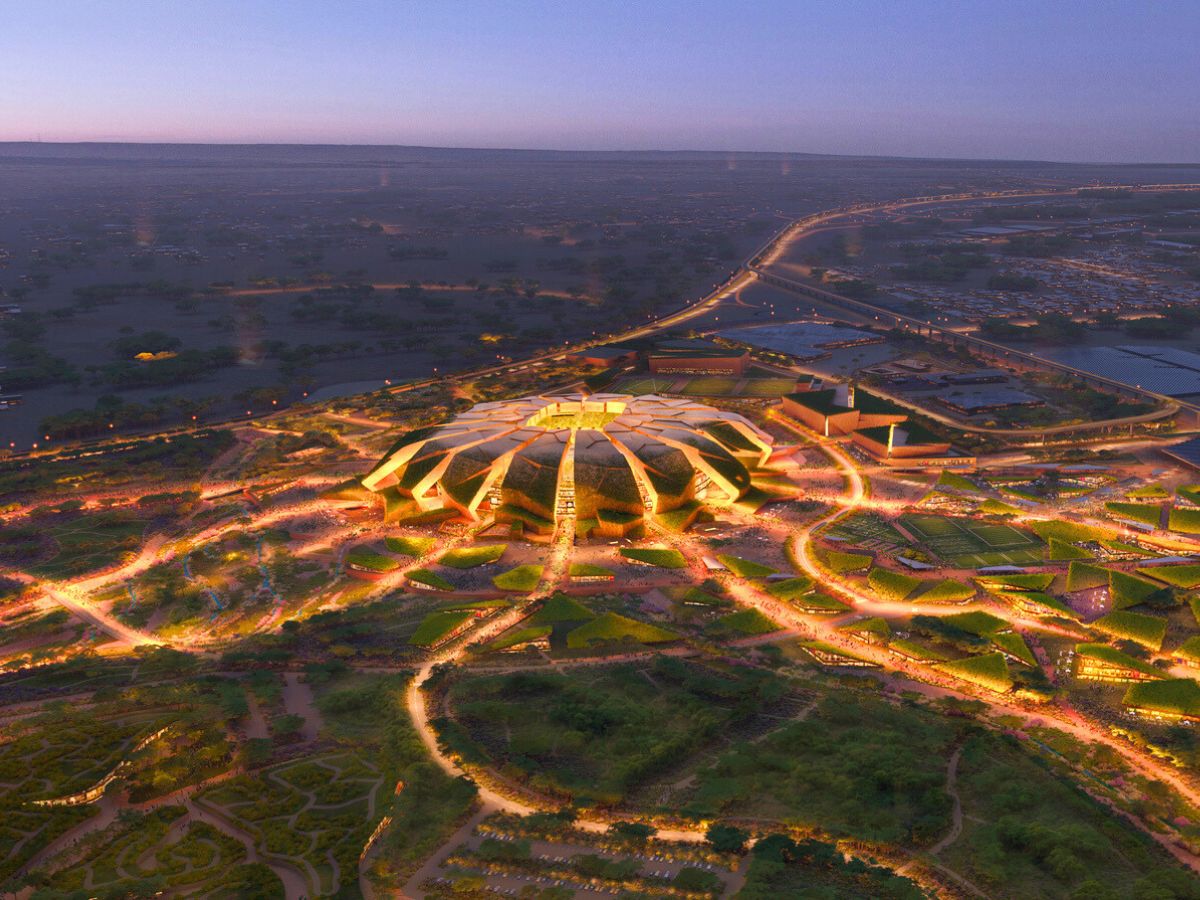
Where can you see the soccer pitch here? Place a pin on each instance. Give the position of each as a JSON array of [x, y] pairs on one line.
[[967, 544], [645, 385]]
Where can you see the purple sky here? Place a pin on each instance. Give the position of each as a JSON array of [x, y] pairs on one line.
[[1095, 80]]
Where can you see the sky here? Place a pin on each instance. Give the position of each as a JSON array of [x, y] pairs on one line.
[[1051, 80]]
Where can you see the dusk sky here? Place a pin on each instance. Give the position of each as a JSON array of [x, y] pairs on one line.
[[1096, 81]]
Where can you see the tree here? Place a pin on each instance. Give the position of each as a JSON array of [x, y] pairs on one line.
[[727, 838]]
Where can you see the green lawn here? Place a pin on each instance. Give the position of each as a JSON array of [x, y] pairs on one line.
[[371, 562], [945, 591], [90, 542], [1061, 551], [1148, 631], [1146, 513], [409, 546], [767, 387], [742, 623], [894, 586], [791, 588], [587, 570], [841, 563], [711, 386], [610, 627], [1183, 520], [1032, 581], [645, 385], [560, 608], [1187, 576], [662, 557], [470, 557], [519, 636], [744, 567], [435, 626], [429, 579], [989, 670], [522, 579]]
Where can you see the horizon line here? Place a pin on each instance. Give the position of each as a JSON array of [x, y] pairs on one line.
[[678, 150]]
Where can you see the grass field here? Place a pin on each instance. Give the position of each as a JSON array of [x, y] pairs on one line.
[[743, 622], [857, 766], [1184, 520], [598, 733], [710, 386], [522, 578], [662, 557], [969, 544], [614, 628], [767, 387], [644, 385], [90, 542], [866, 526], [470, 557], [437, 625]]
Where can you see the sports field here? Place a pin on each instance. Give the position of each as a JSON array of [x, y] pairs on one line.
[[767, 387], [711, 386], [865, 527], [644, 385], [967, 544]]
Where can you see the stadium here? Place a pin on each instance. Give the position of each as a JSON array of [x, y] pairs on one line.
[[605, 461]]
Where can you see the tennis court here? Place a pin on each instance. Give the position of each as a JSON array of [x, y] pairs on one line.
[[967, 544]]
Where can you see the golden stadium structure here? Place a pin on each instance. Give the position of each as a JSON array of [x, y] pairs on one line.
[[606, 461]]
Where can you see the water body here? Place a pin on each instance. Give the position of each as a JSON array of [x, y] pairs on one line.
[[1164, 370]]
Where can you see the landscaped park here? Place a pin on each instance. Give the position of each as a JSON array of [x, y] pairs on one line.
[[513, 635]]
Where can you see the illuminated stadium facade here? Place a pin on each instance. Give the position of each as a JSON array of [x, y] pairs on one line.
[[606, 461]]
